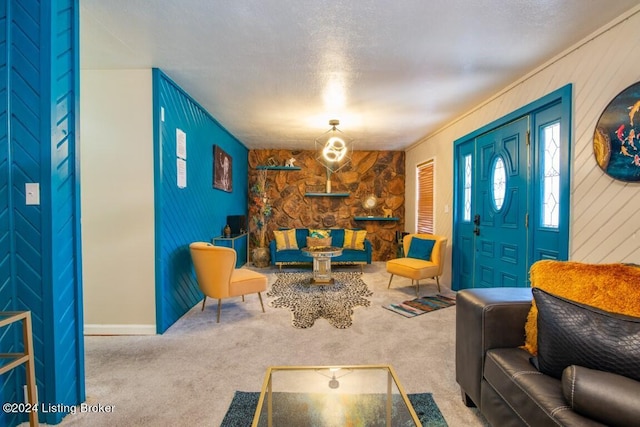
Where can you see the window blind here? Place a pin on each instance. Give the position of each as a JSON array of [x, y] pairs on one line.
[[425, 198]]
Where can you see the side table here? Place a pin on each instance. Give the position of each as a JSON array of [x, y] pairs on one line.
[[322, 263], [238, 242]]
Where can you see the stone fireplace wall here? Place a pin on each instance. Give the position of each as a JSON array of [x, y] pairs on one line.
[[381, 173]]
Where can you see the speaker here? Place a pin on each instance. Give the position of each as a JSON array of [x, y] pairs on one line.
[[238, 223]]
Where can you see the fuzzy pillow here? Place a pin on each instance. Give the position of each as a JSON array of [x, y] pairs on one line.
[[354, 239], [285, 239], [610, 287]]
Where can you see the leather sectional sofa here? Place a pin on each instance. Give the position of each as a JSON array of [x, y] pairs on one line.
[[296, 256], [497, 375]]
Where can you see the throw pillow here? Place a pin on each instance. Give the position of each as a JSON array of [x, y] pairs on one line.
[[354, 239], [285, 239], [610, 287], [319, 233], [609, 398], [421, 248], [570, 333]]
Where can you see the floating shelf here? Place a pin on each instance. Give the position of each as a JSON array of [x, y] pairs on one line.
[[326, 194], [279, 168], [376, 218]]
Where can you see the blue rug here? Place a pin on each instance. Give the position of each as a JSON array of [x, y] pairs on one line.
[[243, 407]]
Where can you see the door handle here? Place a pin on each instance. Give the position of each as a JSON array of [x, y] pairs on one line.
[[476, 219], [476, 231]]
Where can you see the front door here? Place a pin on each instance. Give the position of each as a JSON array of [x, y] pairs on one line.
[[491, 238], [511, 195], [501, 206]]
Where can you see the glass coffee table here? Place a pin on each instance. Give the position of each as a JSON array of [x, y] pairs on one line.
[[322, 263], [366, 395]]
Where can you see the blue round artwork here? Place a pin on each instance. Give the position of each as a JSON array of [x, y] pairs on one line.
[[616, 140]]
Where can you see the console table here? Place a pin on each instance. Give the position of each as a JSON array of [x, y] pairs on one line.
[[238, 242]]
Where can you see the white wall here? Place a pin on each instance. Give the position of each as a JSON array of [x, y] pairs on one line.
[[116, 156], [604, 212]]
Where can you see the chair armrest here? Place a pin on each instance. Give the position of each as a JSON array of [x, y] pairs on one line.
[[485, 319]]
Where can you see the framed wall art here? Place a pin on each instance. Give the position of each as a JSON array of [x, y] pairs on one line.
[[616, 139], [222, 170]]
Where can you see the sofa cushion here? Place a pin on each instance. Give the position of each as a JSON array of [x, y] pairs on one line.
[[597, 285], [609, 398], [354, 239], [285, 239], [421, 248], [570, 333]]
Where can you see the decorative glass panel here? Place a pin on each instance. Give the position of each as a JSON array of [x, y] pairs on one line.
[[467, 188], [499, 179], [551, 177]]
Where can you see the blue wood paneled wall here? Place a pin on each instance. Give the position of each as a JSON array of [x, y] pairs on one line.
[[197, 212], [40, 257]]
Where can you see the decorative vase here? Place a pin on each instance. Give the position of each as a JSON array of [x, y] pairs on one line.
[[227, 231], [260, 257]]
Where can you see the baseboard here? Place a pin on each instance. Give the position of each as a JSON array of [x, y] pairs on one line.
[[119, 329]]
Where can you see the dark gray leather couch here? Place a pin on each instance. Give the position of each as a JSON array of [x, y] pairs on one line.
[[496, 375]]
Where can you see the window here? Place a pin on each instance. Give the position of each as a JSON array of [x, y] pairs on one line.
[[551, 177], [499, 178], [424, 218], [467, 188]]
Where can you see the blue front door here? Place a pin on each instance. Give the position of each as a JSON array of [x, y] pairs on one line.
[[491, 238], [511, 195]]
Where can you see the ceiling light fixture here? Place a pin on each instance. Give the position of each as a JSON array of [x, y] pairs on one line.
[[334, 150]]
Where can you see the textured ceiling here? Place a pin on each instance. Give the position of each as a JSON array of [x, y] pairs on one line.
[[274, 72]]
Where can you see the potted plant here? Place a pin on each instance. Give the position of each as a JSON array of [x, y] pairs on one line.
[[262, 209]]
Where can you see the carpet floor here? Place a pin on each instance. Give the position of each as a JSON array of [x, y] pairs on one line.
[[188, 375]]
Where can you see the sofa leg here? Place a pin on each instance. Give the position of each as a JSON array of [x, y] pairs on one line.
[[417, 287], [261, 304], [390, 278], [204, 301], [467, 400], [438, 283], [219, 309]]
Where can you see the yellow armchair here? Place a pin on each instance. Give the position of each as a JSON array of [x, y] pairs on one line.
[[417, 269], [218, 278]]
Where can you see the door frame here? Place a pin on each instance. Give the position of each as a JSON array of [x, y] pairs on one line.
[[562, 96]]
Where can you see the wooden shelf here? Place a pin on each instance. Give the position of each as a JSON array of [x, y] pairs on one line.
[[376, 218], [326, 194], [279, 168]]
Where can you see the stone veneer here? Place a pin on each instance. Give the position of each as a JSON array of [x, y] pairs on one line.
[[381, 173]]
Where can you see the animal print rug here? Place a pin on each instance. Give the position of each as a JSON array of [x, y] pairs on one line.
[[334, 302]]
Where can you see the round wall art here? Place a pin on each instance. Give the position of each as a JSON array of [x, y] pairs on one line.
[[616, 140]]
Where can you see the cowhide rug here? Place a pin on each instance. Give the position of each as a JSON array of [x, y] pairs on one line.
[[334, 302]]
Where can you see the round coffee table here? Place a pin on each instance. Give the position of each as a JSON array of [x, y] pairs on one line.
[[322, 263]]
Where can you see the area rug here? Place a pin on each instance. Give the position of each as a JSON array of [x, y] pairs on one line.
[[334, 302], [243, 407], [419, 306]]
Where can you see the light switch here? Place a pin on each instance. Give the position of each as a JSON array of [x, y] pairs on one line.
[[32, 190]]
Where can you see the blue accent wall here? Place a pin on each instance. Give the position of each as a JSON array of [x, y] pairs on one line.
[[197, 212], [40, 256]]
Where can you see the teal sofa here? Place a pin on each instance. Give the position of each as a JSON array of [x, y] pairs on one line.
[[295, 256]]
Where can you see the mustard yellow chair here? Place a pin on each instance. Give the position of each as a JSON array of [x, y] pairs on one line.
[[416, 267], [218, 277]]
